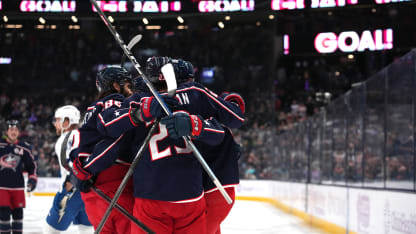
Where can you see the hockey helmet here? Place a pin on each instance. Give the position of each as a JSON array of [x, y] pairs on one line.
[[12, 123], [70, 112], [184, 70], [110, 74], [153, 68]]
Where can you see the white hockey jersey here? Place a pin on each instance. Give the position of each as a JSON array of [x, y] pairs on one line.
[[72, 143]]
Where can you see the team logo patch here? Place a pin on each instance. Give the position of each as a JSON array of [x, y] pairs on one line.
[[9, 161]]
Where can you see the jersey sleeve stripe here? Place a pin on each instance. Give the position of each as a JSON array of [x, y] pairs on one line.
[[103, 153], [214, 99], [112, 121], [213, 130]]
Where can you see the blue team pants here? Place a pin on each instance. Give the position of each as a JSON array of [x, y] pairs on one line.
[[67, 208]]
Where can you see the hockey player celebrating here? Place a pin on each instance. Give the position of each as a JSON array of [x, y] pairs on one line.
[[221, 158], [15, 157], [67, 206], [114, 85]]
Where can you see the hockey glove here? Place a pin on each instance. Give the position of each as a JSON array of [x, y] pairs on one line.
[[236, 99], [31, 184], [85, 185], [151, 109], [181, 124], [79, 170]]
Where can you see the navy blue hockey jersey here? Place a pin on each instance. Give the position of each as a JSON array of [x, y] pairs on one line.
[[91, 140], [88, 131], [14, 160]]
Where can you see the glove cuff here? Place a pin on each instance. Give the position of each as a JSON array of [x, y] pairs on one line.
[[237, 99], [79, 171], [145, 109], [134, 115], [196, 125]]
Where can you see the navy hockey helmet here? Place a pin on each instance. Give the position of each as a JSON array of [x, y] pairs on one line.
[[153, 66], [184, 70], [12, 123], [110, 74], [190, 69]]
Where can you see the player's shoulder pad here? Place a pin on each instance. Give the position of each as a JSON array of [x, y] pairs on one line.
[[197, 87], [94, 104], [190, 84]]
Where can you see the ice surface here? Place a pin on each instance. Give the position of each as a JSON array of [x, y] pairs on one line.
[[246, 217]]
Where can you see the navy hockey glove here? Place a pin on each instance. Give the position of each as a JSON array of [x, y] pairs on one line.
[[31, 184], [151, 109], [181, 124], [235, 98], [79, 171], [85, 185]]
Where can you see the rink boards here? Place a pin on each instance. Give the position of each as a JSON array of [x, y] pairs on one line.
[[332, 208], [338, 209]]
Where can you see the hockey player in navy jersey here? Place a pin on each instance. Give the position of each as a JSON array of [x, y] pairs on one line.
[[168, 180], [67, 206], [114, 85], [221, 158], [15, 157]]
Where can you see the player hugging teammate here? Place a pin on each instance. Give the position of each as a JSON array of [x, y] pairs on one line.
[[169, 192]]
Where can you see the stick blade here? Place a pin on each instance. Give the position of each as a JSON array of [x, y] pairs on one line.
[[170, 78], [134, 41]]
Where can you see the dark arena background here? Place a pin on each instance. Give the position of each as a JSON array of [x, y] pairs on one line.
[[329, 87]]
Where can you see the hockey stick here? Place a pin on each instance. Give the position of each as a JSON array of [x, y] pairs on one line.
[[122, 210], [130, 46], [133, 60], [170, 79]]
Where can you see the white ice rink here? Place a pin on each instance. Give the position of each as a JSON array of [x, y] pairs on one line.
[[246, 217]]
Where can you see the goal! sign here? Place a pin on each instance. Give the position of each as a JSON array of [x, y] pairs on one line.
[[350, 41]]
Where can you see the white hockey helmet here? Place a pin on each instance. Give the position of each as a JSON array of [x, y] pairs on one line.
[[70, 112]]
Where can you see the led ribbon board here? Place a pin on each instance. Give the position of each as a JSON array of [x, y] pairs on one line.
[[47, 6], [140, 6], [278, 5], [226, 6]]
